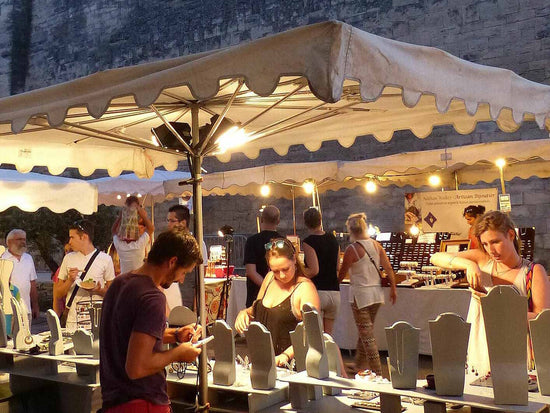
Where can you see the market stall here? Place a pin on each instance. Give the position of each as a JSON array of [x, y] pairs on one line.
[[270, 93]]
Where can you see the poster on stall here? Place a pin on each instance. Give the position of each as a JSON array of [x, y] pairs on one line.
[[442, 211]]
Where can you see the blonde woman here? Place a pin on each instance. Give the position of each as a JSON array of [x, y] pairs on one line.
[[362, 259], [496, 262]]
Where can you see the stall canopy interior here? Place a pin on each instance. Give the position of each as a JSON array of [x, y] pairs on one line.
[[327, 81]]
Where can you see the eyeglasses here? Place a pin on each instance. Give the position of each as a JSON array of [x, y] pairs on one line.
[[172, 221], [279, 243]]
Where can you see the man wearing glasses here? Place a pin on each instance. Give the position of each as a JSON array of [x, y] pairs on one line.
[[23, 275], [101, 270], [254, 252], [179, 216]]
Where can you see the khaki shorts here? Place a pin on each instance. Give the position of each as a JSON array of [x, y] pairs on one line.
[[330, 303]]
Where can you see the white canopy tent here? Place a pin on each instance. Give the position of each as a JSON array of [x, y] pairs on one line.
[[328, 81], [467, 165], [32, 191], [114, 190]]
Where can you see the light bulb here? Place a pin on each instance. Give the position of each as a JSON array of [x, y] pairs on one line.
[[139, 195], [265, 190], [309, 187], [434, 180], [118, 197], [371, 231], [500, 162], [371, 187], [414, 231]]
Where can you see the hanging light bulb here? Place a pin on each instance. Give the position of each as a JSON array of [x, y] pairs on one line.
[[371, 187], [139, 195], [118, 197], [434, 180], [371, 230], [500, 162], [265, 190], [414, 230], [309, 186]]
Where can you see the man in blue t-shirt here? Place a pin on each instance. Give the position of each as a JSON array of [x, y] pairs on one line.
[[133, 328]]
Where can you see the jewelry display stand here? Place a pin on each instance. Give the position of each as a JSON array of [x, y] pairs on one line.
[[82, 341], [334, 365], [6, 267], [225, 369], [316, 356], [540, 336], [449, 335], [3, 331], [505, 316], [55, 346], [299, 344], [22, 338], [181, 316], [263, 372], [403, 342]]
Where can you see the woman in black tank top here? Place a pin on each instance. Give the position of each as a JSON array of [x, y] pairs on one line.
[[284, 290]]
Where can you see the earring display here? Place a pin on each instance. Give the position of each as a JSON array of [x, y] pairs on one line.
[[225, 369], [263, 372]]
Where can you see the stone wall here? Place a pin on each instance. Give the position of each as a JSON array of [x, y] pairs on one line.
[[50, 41]]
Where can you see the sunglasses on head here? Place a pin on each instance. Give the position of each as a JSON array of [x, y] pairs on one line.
[[78, 225], [280, 243]]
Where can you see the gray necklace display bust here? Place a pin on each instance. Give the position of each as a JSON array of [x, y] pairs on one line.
[[316, 356], [505, 316], [55, 346], [263, 370], [449, 335], [540, 335], [225, 369], [403, 343]]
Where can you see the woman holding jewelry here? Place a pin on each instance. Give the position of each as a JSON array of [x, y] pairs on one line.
[[496, 262], [282, 293], [363, 258]]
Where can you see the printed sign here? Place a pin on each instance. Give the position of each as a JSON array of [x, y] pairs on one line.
[[504, 202], [443, 211]]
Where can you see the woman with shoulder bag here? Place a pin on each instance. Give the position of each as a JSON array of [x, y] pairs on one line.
[[363, 258]]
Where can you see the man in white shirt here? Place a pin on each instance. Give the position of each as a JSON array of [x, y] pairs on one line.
[[102, 272], [132, 254], [23, 275], [179, 215]]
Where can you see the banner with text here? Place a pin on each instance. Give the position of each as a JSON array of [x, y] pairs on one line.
[[443, 211]]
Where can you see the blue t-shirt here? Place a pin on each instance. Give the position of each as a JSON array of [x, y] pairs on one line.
[[132, 303]]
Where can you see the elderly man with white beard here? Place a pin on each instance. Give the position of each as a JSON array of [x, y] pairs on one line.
[[23, 275]]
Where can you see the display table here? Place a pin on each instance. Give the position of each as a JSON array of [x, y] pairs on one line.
[[238, 397], [416, 306], [56, 377], [474, 396]]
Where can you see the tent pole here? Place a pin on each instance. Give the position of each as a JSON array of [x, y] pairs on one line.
[[152, 218], [197, 206], [293, 210]]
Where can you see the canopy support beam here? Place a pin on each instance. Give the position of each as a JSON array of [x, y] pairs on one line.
[[174, 132]]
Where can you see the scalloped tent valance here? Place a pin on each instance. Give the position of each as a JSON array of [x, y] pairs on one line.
[[32, 191], [471, 164], [328, 81]]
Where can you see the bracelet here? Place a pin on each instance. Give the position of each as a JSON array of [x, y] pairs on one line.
[[176, 335], [450, 263]]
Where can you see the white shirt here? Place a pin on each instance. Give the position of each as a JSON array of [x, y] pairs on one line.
[[131, 254], [22, 275], [101, 271]]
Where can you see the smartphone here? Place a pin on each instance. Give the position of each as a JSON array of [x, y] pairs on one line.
[[203, 341]]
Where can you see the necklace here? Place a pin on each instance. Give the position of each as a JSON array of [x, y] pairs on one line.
[[402, 358], [509, 269]]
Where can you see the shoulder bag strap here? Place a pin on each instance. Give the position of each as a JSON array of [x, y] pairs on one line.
[[88, 265], [529, 284], [371, 260]]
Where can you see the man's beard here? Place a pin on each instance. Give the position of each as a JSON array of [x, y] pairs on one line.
[[19, 250]]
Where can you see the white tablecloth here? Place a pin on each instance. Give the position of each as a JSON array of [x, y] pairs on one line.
[[416, 306]]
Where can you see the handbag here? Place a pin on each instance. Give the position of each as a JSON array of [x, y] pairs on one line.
[[63, 319], [384, 281]]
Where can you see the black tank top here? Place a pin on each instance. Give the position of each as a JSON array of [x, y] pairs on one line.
[[326, 248], [279, 320]]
